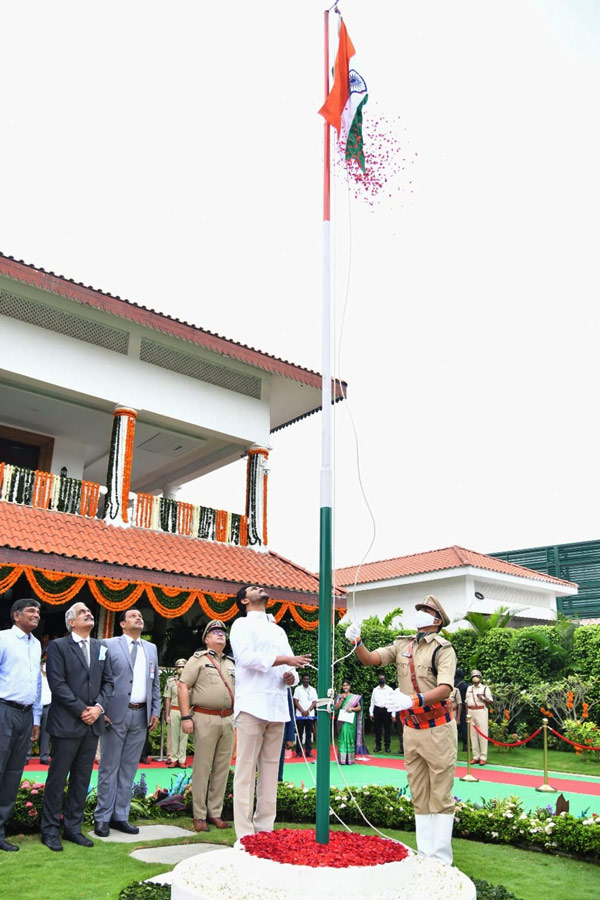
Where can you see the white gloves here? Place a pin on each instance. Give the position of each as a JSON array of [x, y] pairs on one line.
[[353, 633], [398, 701]]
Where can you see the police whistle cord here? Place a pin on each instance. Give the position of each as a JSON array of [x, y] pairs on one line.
[[573, 743], [501, 743]]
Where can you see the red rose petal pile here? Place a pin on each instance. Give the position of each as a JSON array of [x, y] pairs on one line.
[[299, 848]]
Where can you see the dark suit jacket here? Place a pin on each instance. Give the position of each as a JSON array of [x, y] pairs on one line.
[[75, 686]]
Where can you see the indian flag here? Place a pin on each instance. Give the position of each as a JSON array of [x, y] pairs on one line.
[[343, 108]]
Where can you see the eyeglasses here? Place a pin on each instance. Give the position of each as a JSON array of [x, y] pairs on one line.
[[217, 631]]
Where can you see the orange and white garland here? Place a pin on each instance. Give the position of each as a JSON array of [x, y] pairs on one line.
[[118, 478], [256, 496]]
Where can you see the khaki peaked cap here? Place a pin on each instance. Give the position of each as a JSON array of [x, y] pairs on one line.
[[431, 602], [180, 662], [214, 625]]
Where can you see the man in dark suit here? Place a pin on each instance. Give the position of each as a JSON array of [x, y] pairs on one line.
[[133, 708], [81, 682]]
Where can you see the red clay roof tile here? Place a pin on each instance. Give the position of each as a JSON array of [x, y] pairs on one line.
[[76, 537], [435, 561]]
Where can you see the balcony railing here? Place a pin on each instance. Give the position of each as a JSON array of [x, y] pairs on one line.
[[44, 490]]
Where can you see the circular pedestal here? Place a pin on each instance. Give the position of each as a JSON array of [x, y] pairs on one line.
[[236, 875]]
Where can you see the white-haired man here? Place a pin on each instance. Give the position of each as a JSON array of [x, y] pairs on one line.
[[80, 678]]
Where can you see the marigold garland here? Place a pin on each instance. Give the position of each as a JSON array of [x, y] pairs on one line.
[[143, 510], [221, 525], [185, 512], [130, 416], [90, 495], [42, 489], [57, 588]]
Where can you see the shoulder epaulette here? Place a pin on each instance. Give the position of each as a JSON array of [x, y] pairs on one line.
[[201, 653], [442, 641]]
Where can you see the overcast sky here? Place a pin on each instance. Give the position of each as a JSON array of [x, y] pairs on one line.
[[172, 153]]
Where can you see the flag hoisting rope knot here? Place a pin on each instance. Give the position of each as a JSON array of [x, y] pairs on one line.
[[343, 109]]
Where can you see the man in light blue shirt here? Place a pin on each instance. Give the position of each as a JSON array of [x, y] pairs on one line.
[[20, 702]]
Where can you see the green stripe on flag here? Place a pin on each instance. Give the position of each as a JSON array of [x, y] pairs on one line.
[[354, 144]]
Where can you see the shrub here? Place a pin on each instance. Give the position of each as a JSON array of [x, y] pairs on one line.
[[464, 642], [26, 812], [492, 656], [586, 651]]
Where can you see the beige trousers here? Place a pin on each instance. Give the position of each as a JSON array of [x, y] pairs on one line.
[[430, 759], [258, 747], [479, 745], [213, 743], [178, 738]]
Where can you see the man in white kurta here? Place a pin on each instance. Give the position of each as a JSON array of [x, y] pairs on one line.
[[264, 667]]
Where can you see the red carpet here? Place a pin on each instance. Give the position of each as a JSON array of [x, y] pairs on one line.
[[490, 775]]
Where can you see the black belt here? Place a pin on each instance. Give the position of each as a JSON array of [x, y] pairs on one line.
[[137, 706], [21, 706]]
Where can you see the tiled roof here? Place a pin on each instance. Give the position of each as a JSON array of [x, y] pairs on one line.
[[142, 315], [25, 528], [437, 561]]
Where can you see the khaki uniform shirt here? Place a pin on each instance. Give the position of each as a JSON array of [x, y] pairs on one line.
[[475, 695], [170, 691], [205, 683], [422, 653], [455, 698]]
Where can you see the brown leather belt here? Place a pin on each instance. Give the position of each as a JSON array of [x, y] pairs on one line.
[[476, 707], [174, 707], [214, 712], [137, 706]]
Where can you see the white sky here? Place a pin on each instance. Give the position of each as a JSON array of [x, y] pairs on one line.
[[171, 154]]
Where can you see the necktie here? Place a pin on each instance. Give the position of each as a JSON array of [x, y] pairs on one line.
[[86, 654], [134, 648]]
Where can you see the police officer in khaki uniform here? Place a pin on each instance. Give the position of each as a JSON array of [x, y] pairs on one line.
[[425, 666], [207, 685], [478, 699], [178, 751]]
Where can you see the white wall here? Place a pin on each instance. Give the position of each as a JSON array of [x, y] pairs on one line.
[[455, 593], [70, 454], [66, 363]]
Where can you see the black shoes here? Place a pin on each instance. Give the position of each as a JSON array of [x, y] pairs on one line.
[[52, 842], [4, 845], [78, 839], [44, 762], [125, 827], [101, 829]]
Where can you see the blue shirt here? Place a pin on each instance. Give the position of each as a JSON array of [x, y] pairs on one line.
[[20, 673]]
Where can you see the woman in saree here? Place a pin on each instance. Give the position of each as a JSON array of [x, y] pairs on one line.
[[348, 708]]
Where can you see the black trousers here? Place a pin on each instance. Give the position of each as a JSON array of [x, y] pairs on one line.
[[15, 741], [383, 721], [305, 727], [73, 757]]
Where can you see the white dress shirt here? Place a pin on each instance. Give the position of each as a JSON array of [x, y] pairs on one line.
[[380, 697], [305, 697], [20, 673], [138, 688], [259, 686]]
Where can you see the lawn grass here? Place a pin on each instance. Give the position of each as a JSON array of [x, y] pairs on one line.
[[100, 873]]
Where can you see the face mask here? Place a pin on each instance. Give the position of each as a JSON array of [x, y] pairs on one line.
[[423, 619], [475, 680], [382, 681]]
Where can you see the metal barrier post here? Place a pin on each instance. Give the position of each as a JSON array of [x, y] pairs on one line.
[[162, 757], [468, 776], [545, 787]]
